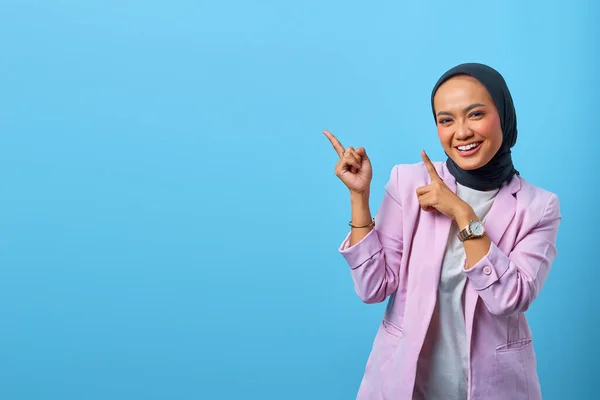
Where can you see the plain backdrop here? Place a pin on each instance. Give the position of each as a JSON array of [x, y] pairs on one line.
[[169, 215]]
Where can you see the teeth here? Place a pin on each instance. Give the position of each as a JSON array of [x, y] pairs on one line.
[[468, 147]]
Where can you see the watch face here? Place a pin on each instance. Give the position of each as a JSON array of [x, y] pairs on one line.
[[476, 228]]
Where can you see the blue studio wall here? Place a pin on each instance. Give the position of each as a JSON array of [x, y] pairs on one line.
[[169, 216]]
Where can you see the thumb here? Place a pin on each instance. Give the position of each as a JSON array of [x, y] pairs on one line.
[[362, 152]]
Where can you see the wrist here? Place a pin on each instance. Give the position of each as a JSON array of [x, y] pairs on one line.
[[464, 215], [360, 197]]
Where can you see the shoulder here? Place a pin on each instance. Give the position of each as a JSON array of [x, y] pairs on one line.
[[406, 178], [416, 174], [532, 199], [411, 176]]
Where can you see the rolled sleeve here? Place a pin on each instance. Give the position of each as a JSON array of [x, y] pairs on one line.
[[362, 251], [489, 269]]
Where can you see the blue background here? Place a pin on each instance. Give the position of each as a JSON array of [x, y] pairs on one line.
[[169, 216]]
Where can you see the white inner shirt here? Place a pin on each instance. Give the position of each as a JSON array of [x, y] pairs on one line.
[[443, 364]]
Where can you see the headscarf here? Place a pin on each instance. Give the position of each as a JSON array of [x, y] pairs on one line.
[[500, 168]]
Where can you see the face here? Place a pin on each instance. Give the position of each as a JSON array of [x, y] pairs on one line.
[[468, 123]]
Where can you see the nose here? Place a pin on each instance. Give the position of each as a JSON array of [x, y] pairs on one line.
[[463, 132]]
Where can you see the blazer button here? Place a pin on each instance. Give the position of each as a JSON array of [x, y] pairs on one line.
[[487, 270]]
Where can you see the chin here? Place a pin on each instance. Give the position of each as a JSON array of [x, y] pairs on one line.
[[468, 164]]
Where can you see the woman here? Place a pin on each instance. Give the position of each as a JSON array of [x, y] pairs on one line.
[[459, 248]]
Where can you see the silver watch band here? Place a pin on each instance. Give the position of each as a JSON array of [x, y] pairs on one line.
[[464, 234]]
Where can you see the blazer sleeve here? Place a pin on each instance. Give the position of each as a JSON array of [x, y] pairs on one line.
[[375, 261], [509, 284]]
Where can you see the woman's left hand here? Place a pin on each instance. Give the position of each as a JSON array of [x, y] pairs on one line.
[[437, 196]]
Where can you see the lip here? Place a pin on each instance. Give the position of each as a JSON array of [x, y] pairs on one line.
[[468, 153]]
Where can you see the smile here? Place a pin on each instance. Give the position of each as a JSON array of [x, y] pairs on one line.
[[468, 149]]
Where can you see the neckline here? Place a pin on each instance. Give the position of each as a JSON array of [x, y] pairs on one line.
[[480, 192]]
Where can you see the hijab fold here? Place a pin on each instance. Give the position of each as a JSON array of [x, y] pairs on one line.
[[500, 168]]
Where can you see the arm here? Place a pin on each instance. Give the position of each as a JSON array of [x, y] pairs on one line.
[[374, 254], [476, 248], [361, 217], [509, 284]]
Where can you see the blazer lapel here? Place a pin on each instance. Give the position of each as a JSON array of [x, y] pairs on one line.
[[502, 211]]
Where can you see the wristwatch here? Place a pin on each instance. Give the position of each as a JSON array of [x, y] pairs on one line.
[[474, 230]]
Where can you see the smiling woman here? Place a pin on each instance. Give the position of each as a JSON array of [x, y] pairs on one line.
[[472, 134], [460, 249]]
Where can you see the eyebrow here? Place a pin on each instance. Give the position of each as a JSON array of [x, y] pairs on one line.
[[466, 109]]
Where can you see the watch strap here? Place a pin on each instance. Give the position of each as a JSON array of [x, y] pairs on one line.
[[466, 234]]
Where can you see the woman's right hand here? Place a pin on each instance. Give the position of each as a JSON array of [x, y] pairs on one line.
[[354, 166]]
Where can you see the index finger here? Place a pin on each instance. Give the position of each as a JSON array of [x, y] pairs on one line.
[[337, 146], [430, 168]]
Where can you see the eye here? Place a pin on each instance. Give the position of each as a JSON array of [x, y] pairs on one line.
[[444, 121], [476, 114]]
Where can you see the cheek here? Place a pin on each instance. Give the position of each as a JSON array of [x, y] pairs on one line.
[[445, 135], [490, 129]]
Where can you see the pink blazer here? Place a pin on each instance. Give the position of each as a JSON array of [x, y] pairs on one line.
[[400, 260]]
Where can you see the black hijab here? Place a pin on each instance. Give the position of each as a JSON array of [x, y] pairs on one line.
[[500, 168]]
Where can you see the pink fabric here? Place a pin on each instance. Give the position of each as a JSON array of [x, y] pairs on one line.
[[400, 260]]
